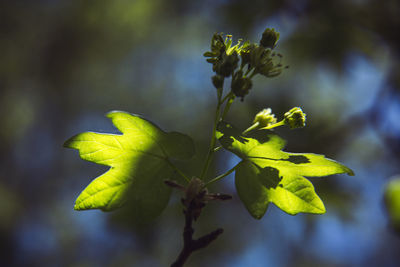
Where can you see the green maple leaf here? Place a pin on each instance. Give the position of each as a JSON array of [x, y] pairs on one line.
[[139, 161], [268, 174]]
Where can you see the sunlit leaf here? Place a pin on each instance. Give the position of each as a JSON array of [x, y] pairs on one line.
[[139, 164], [268, 174]]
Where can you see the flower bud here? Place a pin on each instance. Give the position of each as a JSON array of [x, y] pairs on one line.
[[265, 118], [295, 118], [217, 44], [241, 85], [259, 56], [228, 64], [269, 38], [218, 81]]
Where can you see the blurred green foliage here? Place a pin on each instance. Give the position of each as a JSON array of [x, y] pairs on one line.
[[392, 201]]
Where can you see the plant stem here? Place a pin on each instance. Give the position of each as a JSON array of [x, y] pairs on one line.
[[213, 139], [228, 105], [226, 97], [231, 97], [221, 176]]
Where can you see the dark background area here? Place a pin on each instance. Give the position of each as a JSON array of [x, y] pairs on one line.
[[64, 64]]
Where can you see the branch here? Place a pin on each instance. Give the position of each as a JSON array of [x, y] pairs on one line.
[[189, 244], [196, 197]]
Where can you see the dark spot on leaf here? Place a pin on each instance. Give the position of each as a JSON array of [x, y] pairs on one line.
[[269, 177], [229, 134], [261, 136], [298, 159]]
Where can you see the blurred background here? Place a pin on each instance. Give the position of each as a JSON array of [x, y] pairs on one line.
[[64, 64]]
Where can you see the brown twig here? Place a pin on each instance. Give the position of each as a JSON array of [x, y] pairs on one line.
[[195, 199], [189, 244]]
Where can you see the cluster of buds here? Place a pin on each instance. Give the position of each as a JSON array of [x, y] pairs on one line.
[[265, 119], [295, 118], [241, 85], [223, 56], [254, 58]]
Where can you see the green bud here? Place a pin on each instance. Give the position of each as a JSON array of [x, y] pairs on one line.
[[240, 85], [228, 64], [264, 61], [269, 38], [217, 50], [217, 44], [295, 118], [265, 118], [218, 81]]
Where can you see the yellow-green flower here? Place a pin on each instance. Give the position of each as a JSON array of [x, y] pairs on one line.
[[265, 118], [295, 118]]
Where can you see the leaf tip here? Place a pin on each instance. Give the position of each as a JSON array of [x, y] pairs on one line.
[[69, 143], [350, 172], [323, 210], [257, 217], [320, 208], [113, 113], [257, 213], [346, 170], [78, 204]]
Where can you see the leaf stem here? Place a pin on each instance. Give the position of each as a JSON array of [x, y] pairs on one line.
[[219, 177], [177, 170]]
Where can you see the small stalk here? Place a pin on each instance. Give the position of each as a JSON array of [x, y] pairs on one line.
[[221, 176], [213, 139], [252, 127], [177, 170], [228, 105], [280, 123]]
